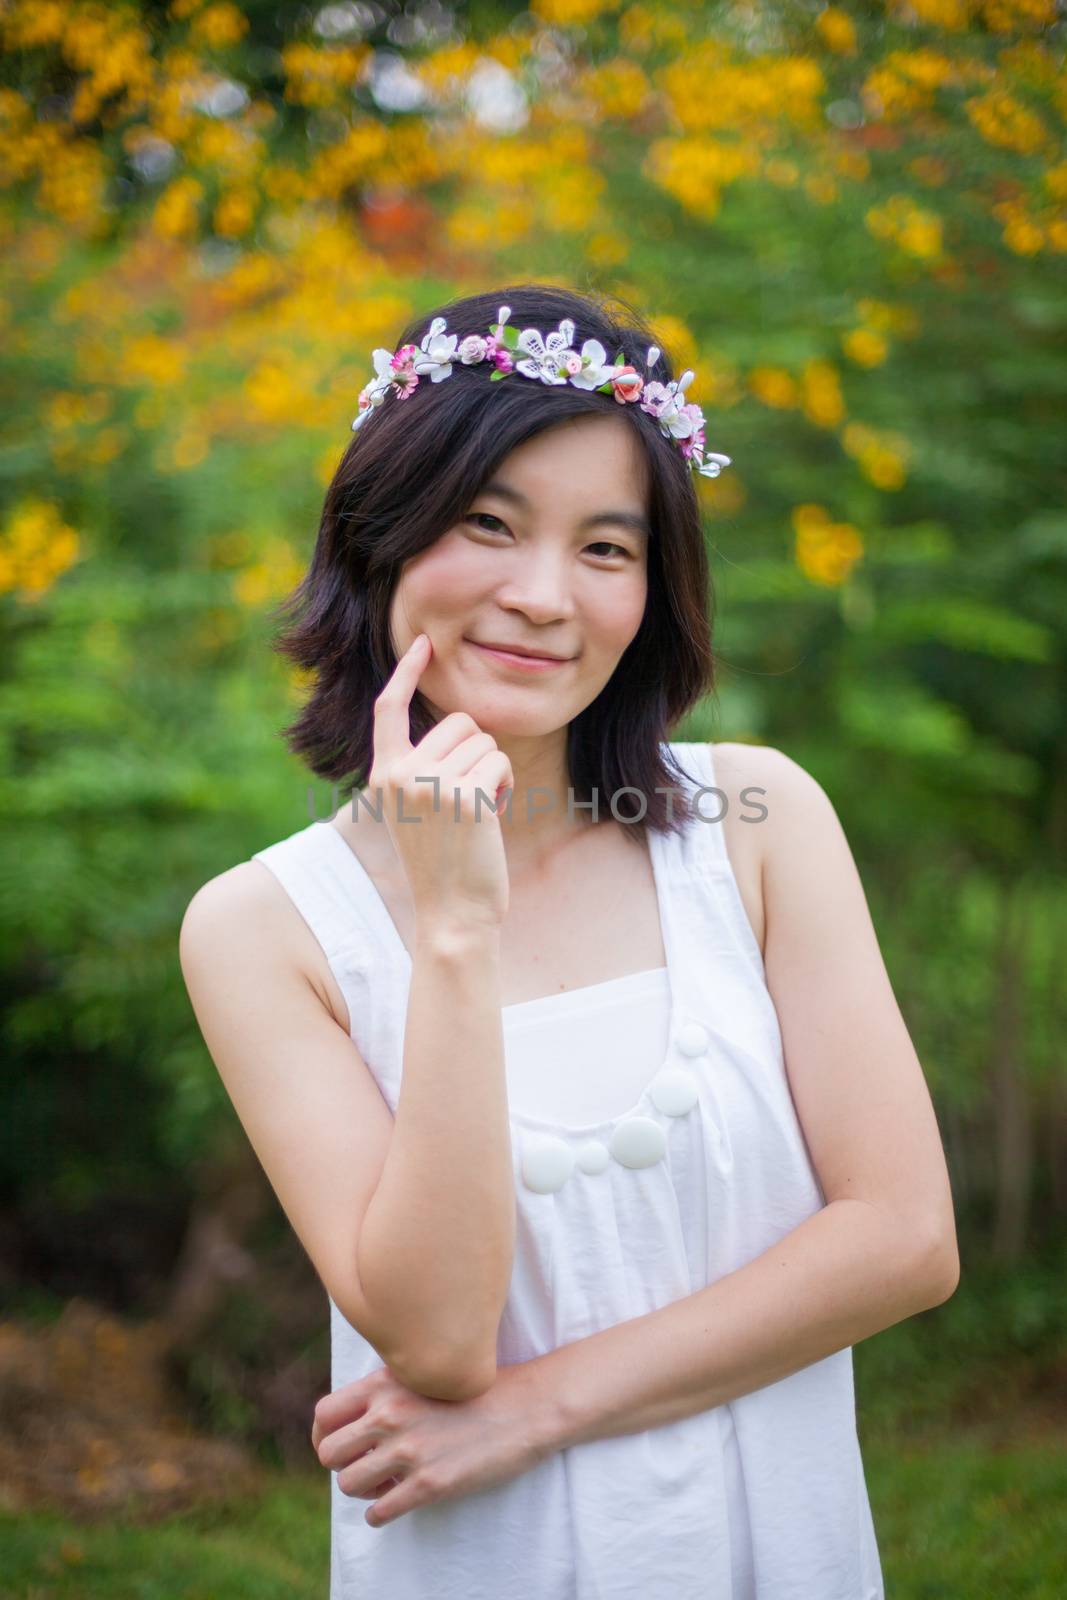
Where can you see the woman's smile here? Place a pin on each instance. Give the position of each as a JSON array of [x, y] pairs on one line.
[[518, 663]]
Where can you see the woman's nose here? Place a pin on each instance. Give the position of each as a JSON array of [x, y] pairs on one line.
[[539, 586]]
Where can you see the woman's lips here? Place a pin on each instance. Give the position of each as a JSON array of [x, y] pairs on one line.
[[518, 663]]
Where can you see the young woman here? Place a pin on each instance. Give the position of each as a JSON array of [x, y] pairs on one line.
[[569, 1051]]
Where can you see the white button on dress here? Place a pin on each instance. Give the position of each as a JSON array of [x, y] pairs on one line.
[[638, 1142], [592, 1157], [693, 1039], [547, 1163], [674, 1091]]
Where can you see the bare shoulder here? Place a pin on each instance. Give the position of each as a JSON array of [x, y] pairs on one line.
[[237, 902], [246, 908], [767, 798], [762, 778]]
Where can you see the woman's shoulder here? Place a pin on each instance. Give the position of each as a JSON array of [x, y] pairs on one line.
[[798, 821], [247, 907], [739, 767]]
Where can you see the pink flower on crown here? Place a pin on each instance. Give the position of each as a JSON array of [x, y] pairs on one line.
[[404, 375], [499, 354], [572, 362], [626, 383], [657, 398]]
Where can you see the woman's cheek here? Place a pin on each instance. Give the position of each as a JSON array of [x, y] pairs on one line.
[[445, 577]]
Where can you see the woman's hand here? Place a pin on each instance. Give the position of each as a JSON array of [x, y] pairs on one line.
[[450, 841], [402, 1449]]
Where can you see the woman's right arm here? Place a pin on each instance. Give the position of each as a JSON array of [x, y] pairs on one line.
[[409, 1225]]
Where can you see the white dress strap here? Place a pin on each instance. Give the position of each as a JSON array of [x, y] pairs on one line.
[[303, 865]]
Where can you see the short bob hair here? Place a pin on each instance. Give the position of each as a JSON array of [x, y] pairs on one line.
[[410, 473]]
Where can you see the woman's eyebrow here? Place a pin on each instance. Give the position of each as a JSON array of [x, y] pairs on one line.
[[626, 519]]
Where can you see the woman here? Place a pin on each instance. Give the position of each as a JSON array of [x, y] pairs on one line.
[[510, 1032]]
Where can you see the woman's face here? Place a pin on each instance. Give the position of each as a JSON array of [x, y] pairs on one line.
[[551, 556]]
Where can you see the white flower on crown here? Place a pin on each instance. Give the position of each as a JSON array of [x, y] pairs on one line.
[[596, 368], [374, 392], [438, 349], [586, 369], [546, 355]]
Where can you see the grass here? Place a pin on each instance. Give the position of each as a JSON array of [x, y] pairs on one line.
[[954, 1518], [275, 1547]]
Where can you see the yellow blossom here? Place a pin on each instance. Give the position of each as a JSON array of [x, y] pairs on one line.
[[774, 386], [865, 347], [695, 170], [821, 394], [837, 30], [1002, 120], [708, 91], [176, 214], [1010, 16], [234, 213], [28, 26], [36, 546], [917, 231], [571, 203], [148, 358], [1023, 236], [882, 457], [315, 74], [618, 88], [825, 551], [72, 186], [219, 25], [637, 28], [571, 13], [446, 70]]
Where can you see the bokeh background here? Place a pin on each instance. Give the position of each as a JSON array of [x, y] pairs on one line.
[[851, 221]]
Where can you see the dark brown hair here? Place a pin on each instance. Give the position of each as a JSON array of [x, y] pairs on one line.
[[410, 473]]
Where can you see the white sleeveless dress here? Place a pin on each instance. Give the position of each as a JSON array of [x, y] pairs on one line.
[[621, 1212]]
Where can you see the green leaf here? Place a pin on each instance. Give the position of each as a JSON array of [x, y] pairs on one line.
[[967, 623]]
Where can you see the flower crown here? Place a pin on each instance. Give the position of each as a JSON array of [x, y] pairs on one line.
[[551, 360]]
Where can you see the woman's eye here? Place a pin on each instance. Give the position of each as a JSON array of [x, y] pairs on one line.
[[603, 544], [475, 515]]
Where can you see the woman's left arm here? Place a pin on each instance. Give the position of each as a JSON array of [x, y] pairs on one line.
[[884, 1245]]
